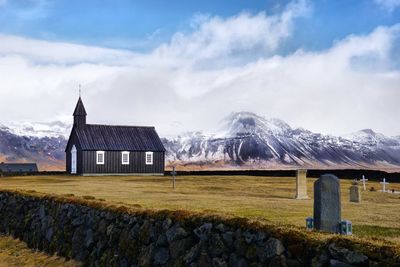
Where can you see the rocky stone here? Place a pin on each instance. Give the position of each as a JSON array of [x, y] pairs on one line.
[[249, 237], [166, 223], [162, 241], [42, 211], [240, 246], [102, 227], [293, 263], [320, 260], [49, 234], [134, 232], [219, 262], [297, 251], [204, 260], [78, 221], [124, 263], [145, 232], [347, 256], [103, 238], [260, 238], [178, 247], [236, 261], [220, 227], [217, 246], [124, 239], [146, 255], [228, 239], [204, 231], [273, 247], [336, 263], [175, 233], [110, 229], [238, 234], [251, 252], [278, 261], [161, 256], [89, 238], [192, 254]]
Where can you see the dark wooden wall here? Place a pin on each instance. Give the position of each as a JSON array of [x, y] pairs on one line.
[[112, 163], [86, 161]]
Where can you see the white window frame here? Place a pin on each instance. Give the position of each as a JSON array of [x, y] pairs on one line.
[[149, 162], [123, 153], [97, 157]]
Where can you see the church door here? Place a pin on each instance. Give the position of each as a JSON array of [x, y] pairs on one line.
[[73, 160]]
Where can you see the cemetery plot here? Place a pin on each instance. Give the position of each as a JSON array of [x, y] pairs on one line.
[[265, 199]]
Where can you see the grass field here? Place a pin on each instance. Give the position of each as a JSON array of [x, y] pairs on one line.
[[266, 199], [14, 253]]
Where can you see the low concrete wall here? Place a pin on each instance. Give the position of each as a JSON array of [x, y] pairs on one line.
[[100, 236]]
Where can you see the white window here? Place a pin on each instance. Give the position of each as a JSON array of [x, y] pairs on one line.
[[100, 157], [125, 157], [149, 158]]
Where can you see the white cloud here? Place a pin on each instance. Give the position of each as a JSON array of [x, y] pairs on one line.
[[389, 5], [42, 52], [215, 38], [181, 85]]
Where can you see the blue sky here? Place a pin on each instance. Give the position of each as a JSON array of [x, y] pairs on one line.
[[144, 24], [194, 62]]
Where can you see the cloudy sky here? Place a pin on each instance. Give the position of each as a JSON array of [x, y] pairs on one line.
[[328, 66]]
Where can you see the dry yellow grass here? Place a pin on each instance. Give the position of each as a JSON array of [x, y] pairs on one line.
[[265, 199], [15, 253]]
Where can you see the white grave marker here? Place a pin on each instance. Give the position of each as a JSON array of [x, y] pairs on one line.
[[363, 181], [384, 183]]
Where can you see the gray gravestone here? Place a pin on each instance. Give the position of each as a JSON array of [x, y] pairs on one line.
[[327, 206], [355, 194]]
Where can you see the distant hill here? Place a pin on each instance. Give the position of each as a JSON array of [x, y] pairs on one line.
[[244, 141], [248, 141], [47, 152]]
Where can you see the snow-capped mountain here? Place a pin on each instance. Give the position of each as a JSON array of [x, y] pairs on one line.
[[243, 140], [38, 129], [369, 137], [249, 141], [34, 142]]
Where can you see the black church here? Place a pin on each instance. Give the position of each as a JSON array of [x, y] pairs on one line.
[[94, 149]]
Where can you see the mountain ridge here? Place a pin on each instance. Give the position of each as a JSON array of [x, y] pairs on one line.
[[247, 140], [243, 140]]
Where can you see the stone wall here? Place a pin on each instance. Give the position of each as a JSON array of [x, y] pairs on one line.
[[100, 236]]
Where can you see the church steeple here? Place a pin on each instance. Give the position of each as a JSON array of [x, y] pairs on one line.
[[79, 114]]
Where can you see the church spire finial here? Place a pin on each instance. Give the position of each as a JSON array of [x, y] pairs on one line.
[[79, 113], [79, 90]]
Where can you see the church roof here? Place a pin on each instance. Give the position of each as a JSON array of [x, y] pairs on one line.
[[80, 108], [119, 138]]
